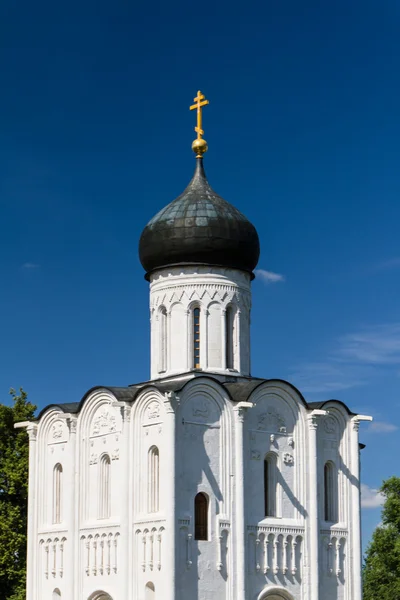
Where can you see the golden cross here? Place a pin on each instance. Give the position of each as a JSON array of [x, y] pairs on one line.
[[200, 102]]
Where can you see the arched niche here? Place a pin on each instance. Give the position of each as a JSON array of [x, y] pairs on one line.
[[100, 596], [150, 591], [274, 593]]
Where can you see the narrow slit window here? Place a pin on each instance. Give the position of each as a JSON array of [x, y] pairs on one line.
[[105, 488], [229, 321], [270, 485], [57, 493], [330, 493], [162, 366], [153, 480], [201, 517], [196, 338]]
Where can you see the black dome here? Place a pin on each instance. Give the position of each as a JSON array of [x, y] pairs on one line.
[[199, 227]]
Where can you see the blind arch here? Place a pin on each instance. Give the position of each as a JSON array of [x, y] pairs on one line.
[[162, 339], [229, 337], [153, 474], [105, 487], [57, 493]]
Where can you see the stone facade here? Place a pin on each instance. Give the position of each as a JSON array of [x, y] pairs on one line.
[[118, 519]]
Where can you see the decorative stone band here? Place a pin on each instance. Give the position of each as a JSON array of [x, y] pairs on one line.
[[276, 549], [99, 552], [51, 556], [334, 544], [149, 546]]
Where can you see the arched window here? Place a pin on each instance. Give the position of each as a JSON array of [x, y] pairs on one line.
[[201, 517], [229, 324], [196, 338], [270, 484], [153, 479], [330, 492], [56, 594], [150, 591], [105, 487], [57, 493], [162, 323]]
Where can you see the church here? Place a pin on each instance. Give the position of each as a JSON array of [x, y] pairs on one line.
[[203, 482]]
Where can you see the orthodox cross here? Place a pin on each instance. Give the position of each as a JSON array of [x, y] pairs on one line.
[[200, 102]]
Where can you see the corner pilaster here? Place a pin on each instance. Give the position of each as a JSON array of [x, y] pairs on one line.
[[171, 401]]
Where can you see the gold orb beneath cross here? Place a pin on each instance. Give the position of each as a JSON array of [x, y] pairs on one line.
[[199, 147]]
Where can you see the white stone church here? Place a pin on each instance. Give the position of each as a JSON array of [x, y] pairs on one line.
[[203, 483]]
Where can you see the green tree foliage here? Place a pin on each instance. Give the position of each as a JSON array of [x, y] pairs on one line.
[[14, 454], [382, 564]]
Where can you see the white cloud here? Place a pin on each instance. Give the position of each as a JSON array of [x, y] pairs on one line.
[[382, 427], [370, 497], [376, 344], [327, 377], [269, 276], [29, 265], [354, 360]]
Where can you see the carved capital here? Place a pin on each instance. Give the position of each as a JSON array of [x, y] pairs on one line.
[[240, 410], [312, 422], [32, 431], [171, 401], [72, 424], [126, 413], [313, 418]]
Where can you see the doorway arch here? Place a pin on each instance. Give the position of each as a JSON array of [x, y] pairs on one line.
[[100, 596], [274, 593]]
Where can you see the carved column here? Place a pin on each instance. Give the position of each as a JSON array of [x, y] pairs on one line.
[[171, 403], [126, 506], [72, 562], [223, 339], [238, 357], [188, 341], [204, 337], [355, 509], [313, 515], [240, 486], [169, 340], [32, 515]]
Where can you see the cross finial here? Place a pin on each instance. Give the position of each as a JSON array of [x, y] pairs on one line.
[[199, 145]]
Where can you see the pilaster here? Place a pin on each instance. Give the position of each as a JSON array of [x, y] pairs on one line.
[[171, 401], [240, 513], [313, 504], [31, 581], [355, 509]]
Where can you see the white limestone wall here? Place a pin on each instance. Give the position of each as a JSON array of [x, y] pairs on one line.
[[277, 554], [335, 546], [205, 568], [206, 443], [174, 294]]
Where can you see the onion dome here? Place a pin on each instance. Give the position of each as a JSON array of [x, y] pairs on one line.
[[199, 228]]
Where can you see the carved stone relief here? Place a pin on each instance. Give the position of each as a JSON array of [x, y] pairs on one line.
[[288, 458], [153, 411], [58, 432], [255, 455], [271, 420], [330, 425], [104, 422], [202, 409]]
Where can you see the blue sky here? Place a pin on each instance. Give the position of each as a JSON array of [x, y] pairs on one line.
[[303, 127]]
